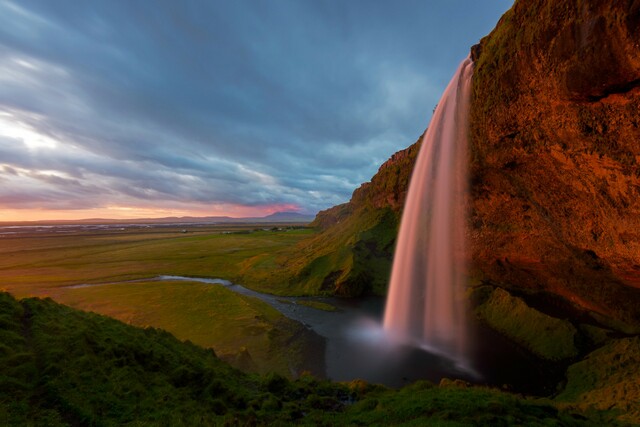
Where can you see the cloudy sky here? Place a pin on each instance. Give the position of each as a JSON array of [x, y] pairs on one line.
[[244, 107]]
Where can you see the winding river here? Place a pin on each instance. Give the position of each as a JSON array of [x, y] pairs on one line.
[[355, 346]]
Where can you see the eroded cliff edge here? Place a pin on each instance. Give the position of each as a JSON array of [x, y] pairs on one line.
[[555, 146]]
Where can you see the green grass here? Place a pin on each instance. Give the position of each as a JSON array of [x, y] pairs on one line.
[[607, 379], [207, 315], [247, 332], [348, 259], [34, 265], [66, 367], [60, 366]]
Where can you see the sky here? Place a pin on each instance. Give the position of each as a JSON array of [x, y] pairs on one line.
[[131, 109]]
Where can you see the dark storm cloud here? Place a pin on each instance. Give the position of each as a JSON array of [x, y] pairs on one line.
[[245, 102]]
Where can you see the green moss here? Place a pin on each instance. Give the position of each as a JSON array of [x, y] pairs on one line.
[[607, 379], [546, 336], [595, 335]]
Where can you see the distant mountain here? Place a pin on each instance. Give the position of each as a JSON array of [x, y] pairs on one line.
[[287, 217], [277, 217]]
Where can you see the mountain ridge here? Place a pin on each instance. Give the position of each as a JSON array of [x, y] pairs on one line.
[[283, 216]]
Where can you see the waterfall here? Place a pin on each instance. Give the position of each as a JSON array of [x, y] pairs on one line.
[[425, 304]]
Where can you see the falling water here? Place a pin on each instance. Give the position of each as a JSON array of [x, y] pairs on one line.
[[425, 305]]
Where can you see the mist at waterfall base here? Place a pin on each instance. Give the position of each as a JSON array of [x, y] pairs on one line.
[[425, 306], [357, 346], [425, 302], [427, 330]]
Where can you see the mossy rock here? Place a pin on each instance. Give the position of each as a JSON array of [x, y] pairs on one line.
[[547, 337], [607, 379], [596, 336]]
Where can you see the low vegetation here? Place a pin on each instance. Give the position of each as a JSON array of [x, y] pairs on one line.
[[207, 315], [348, 259], [40, 265], [607, 379], [350, 254], [59, 367]]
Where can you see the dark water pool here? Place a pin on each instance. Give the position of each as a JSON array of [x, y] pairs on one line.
[[352, 346]]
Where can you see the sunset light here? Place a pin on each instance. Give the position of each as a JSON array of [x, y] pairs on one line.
[[320, 213]]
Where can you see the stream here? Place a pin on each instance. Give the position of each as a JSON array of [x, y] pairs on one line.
[[355, 346]]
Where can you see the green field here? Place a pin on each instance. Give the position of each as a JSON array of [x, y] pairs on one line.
[[245, 331], [37, 265]]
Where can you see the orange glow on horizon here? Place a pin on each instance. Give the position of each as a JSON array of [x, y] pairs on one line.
[[132, 212]]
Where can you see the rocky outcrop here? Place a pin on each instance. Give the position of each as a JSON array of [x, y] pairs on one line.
[[352, 251], [607, 379], [555, 146], [386, 190]]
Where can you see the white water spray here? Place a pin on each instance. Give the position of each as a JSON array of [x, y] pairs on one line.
[[425, 304]]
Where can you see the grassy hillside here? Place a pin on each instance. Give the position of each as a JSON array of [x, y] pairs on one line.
[[348, 259], [352, 250], [245, 331], [59, 367]]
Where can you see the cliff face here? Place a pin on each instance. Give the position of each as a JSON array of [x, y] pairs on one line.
[[352, 253], [555, 154], [555, 146]]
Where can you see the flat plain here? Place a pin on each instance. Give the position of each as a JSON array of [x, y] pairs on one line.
[[114, 262]]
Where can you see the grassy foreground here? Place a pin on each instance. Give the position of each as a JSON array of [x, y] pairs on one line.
[[60, 366]]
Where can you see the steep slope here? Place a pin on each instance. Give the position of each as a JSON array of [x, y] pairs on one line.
[[351, 254], [555, 145], [61, 367]]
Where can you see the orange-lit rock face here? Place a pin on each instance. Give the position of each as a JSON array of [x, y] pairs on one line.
[[555, 140]]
